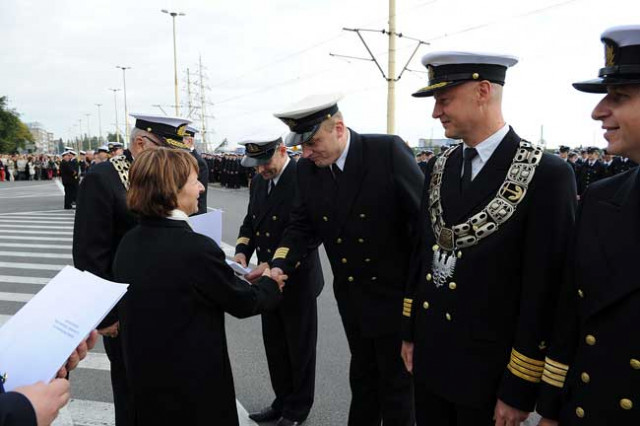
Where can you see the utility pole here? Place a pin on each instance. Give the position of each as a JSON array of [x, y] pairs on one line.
[[115, 104], [99, 125], [391, 82], [126, 111], [390, 76], [88, 131]]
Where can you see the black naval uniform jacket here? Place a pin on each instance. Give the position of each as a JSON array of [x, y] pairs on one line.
[[69, 172], [16, 410], [483, 335], [589, 174], [267, 218], [172, 323], [102, 219], [592, 370], [367, 228]]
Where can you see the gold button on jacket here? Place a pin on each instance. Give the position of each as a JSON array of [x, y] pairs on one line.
[[626, 404], [425, 305], [580, 412], [635, 364], [591, 340], [585, 377]]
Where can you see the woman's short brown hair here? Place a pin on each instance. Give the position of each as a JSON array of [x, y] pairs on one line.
[[155, 178]]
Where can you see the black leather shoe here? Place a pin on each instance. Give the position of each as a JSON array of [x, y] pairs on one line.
[[266, 415], [287, 422]]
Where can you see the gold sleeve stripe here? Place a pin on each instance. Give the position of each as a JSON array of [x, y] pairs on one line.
[[243, 240], [533, 374], [522, 375], [556, 364], [553, 382], [409, 301], [558, 377], [281, 253], [515, 353], [533, 369], [554, 370], [406, 313]]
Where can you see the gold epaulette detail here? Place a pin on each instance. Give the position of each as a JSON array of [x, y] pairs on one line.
[[406, 309], [243, 240], [555, 373], [122, 165], [526, 368], [281, 253]]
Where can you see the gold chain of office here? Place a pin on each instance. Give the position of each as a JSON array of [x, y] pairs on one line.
[[122, 166], [481, 225], [495, 213]]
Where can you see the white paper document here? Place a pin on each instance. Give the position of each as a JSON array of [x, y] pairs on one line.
[[209, 224], [238, 268], [39, 338]]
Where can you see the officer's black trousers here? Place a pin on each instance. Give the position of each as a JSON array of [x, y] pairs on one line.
[[70, 192], [433, 410], [381, 387], [290, 334], [119, 385]]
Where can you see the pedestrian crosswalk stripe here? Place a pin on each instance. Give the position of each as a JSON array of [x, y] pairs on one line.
[[86, 413], [59, 212], [37, 221], [40, 266], [35, 238], [17, 231], [23, 280], [2, 225], [96, 361], [15, 297], [35, 246], [34, 254]]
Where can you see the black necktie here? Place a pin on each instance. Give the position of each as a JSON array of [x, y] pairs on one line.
[[468, 154], [272, 186], [336, 172]]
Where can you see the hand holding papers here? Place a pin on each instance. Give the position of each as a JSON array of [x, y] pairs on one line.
[[238, 268], [38, 339]]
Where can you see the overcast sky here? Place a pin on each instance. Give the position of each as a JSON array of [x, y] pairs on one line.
[[59, 59]]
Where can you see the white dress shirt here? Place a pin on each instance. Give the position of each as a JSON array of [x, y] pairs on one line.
[[485, 150], [343, 157]]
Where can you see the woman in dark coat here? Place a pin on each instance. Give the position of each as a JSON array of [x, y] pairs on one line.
[[172, 318]]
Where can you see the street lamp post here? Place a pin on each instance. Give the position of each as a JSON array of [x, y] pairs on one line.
[[88, 132], [99, 124], [175, 57], [126, 111], [115, 103]]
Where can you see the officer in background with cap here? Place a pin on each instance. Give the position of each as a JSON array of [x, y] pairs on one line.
[[592, 170], [358, 194], [102, 219], [203, 169], [69, 177], [563, 152], [592, 371], [115, 148], [291, 331], [102, 154], [496, 218]]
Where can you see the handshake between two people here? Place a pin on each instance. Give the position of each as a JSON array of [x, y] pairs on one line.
[[262, 270]]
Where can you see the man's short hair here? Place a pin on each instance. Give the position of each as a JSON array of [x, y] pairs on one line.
[[155, 179]]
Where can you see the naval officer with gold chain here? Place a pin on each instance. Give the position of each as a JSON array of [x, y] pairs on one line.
[[592, 370], [360, 195], [496, 212]]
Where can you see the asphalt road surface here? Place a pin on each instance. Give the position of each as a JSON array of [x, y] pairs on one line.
[[35, 243]]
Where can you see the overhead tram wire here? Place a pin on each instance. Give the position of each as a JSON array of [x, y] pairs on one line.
[[284, 58]]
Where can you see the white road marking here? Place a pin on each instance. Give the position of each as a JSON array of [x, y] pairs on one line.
[[11, 226], [35, 238], [38, 220], [35, 246], [11, 231], [59, 212], [23, 280], [34, 254], [39, 266], [15, 297]]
